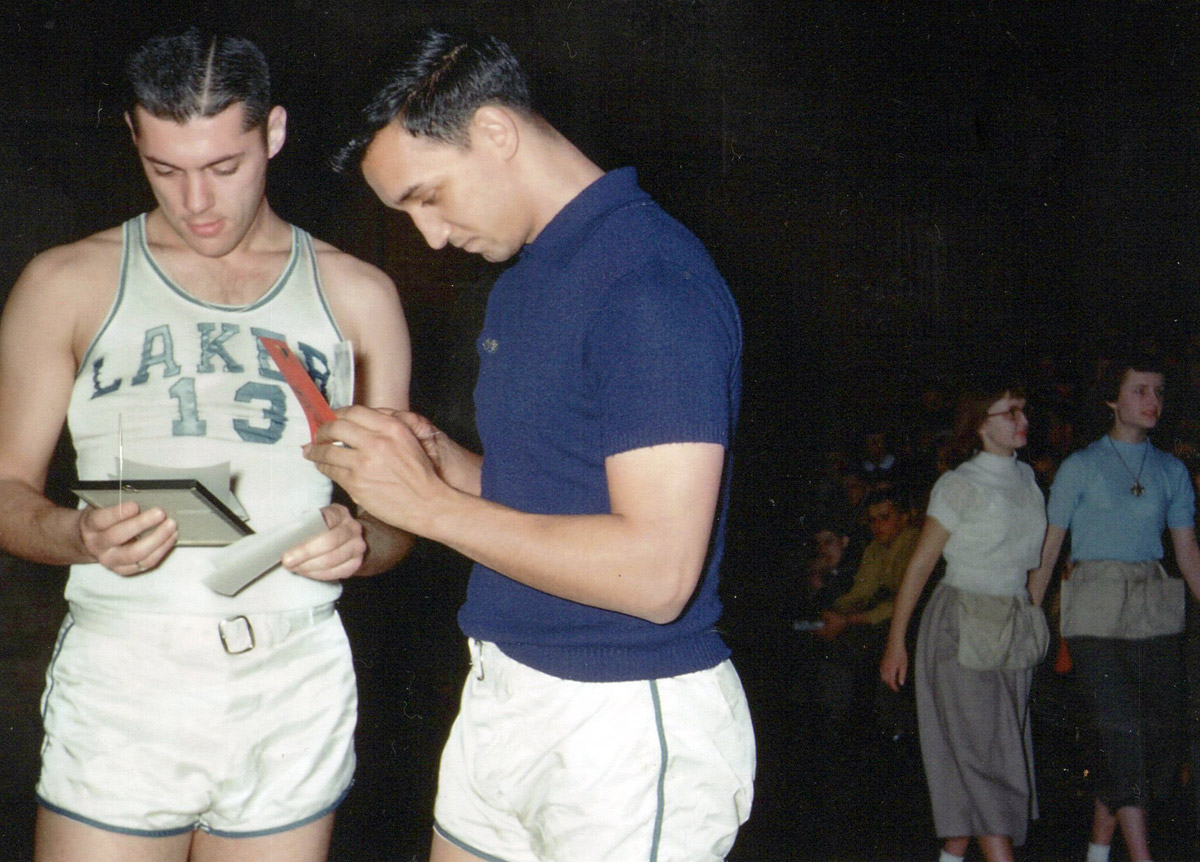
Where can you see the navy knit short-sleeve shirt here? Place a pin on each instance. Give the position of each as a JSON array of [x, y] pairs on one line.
[[613, 331]]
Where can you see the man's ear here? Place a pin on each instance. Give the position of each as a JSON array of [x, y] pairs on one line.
[[276, 130], [496, 127], [132, 130]]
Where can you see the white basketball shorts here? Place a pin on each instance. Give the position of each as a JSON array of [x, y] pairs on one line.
[[541, 769], [157, 725]]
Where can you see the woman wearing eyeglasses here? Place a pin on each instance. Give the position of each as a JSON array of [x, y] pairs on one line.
[[979, 636], [1122, 616]]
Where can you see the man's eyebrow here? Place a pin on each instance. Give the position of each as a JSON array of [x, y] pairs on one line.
[[211, 164], [408, 193]]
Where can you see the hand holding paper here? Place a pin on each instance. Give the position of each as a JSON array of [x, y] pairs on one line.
[[333, 555], [325, 544], [198, 500]]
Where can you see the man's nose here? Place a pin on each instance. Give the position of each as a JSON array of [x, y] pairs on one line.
[[435, 230], [197, 193]]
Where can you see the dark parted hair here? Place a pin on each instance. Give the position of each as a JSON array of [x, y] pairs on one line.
[[194, 74], [1120, 363], [434, 89], [887, 492], [974, 400]]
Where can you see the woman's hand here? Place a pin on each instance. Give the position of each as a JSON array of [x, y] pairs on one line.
[[893, 670]]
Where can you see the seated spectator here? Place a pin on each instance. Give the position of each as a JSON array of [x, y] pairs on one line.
[[830, 573], [869, 600], [854, 629], [824, 571], [857, 486]]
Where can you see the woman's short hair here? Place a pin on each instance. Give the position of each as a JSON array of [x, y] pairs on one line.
[[1120, 363], [975, 398]]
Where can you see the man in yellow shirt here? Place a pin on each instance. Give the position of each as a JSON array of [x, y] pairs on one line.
[[869, 600], [855, 628]]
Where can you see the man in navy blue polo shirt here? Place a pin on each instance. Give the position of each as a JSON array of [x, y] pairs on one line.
[[601, 719]]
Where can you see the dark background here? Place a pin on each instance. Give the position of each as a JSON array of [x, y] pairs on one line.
[[895, 191]]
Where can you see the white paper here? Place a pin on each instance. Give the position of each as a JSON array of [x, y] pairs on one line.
[[340, 386], [237, 565]]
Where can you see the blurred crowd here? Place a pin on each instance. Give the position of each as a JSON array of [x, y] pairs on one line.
[[861, 508]]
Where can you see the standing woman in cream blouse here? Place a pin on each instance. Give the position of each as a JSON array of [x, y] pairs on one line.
[[979, 635]]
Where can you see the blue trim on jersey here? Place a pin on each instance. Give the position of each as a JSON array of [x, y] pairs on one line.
[[274, 290], [316, 274], [126, 251]]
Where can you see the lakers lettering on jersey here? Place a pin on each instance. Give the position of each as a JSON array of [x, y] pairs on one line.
[[214, 345], [171, 380]]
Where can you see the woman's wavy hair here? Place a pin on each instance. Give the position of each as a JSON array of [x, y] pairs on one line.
[[975, 398]]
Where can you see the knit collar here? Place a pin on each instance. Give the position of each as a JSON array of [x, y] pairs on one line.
[[994, 463], [1128, 447], [572, 225]]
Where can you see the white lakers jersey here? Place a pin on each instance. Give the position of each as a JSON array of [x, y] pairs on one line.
[[189, 385]]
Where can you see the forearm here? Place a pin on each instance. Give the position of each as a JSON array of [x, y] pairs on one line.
[[386, 545], [34, 528], [643, 558], [464, 472], [873, 616], [905, 603], [1187, 557], [855, 599], [1191, 574], [1039, 578], [647, 570], [916, 575]]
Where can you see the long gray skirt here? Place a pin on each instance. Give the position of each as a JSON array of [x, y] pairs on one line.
[[975, 739]]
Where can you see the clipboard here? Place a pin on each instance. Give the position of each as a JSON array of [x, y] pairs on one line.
[[316, 408], [203, 520]]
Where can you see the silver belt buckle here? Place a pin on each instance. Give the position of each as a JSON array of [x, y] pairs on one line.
[[236, 639]]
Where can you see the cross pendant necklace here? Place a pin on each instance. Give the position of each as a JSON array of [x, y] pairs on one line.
[[1137, 489]]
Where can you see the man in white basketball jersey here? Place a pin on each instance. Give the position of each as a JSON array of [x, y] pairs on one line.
[[179, 721]]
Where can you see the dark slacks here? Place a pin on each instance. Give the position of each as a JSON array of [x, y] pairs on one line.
[[1134, 690]]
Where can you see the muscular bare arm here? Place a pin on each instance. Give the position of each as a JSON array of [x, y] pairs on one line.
[[49, 319], [643, 559], [368, 311]]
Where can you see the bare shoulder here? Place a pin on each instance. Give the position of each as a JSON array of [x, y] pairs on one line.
[[361, 295], [78, 265], [69, 285], [367, 308], [344, 272]]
